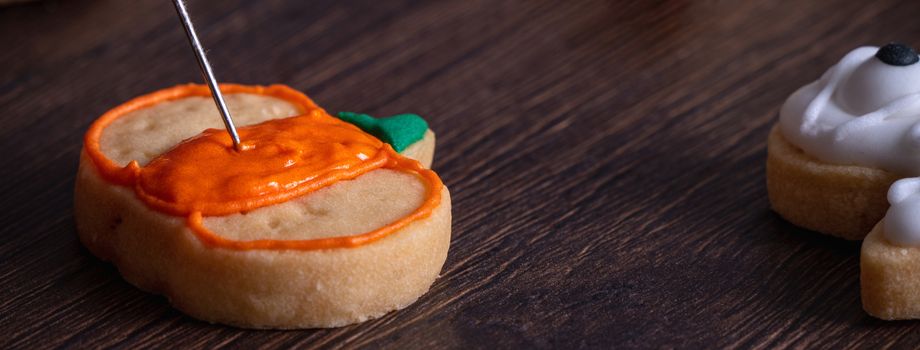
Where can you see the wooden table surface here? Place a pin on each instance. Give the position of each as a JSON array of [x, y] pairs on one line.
[[606, 160]]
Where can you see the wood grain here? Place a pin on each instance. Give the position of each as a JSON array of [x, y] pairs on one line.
[[606, 161]]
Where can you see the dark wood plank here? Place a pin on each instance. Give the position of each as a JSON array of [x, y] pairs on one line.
[[606, 162]]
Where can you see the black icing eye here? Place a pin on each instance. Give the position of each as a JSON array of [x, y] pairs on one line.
[[897, 54]]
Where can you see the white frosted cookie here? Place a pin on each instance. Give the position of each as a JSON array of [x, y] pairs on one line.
[[890, 258], [843, 139], [259, 287], [842, 157]]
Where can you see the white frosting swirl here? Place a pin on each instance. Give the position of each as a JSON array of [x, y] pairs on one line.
[[861, 112], [902, 222]]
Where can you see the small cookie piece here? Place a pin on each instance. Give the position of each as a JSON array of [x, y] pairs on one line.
[[890, 257], [889, 277]]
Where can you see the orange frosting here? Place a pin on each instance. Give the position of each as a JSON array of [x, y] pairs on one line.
[[280, 160]]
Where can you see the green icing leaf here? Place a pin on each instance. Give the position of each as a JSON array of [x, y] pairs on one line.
[[399, 131]]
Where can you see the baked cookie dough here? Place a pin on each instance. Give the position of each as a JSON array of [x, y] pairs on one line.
[[275, 280], [840, 200]]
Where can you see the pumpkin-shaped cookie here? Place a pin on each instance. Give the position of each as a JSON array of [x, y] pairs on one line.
[[314, 223]]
